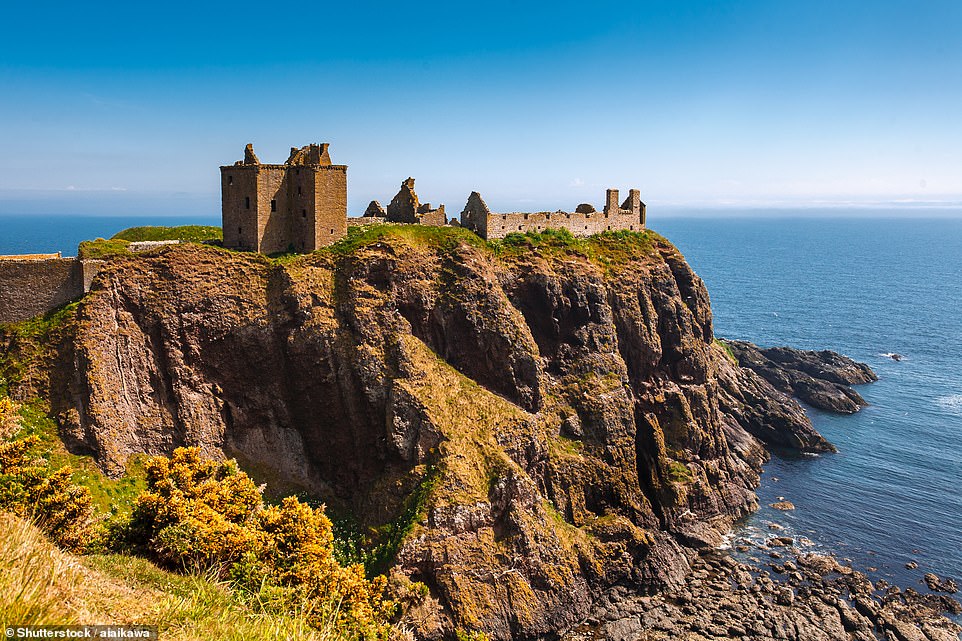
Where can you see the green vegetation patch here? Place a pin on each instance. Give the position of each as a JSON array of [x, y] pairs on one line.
[[118, 244], [26, 346], [678, 472], [359, 236], [609, 249], [726, 350], [193, 233], [377, 549], [102, 249]]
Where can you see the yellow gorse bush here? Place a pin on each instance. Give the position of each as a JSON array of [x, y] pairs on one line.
[[31, 489], [202, 514], [9, 421]]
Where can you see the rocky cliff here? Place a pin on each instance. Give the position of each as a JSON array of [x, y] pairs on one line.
[[525, 426]]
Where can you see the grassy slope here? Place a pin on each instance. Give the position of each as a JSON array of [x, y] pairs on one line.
[[39, 584]]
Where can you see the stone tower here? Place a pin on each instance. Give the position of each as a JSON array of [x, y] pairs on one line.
[[300, 205]]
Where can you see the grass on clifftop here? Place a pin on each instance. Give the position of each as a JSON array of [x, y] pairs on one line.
[[610, 249], [117, 245], [444, 237], [194, 233]]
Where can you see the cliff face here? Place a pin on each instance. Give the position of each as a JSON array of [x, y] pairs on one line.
[[541, 424]]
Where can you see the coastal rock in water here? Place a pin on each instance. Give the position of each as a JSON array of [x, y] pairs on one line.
[[764, 412], [937, 584], [724, 599], [784, 506], [822, 379]]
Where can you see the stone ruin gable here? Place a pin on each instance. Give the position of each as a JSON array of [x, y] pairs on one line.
[[475, 215], [269, 208], [585, 221], [33, 285], [406, 208], [374, 209]]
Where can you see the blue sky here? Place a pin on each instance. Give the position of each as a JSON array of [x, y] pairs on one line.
[[130, 108]]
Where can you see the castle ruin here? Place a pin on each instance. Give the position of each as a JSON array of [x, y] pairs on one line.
[[406, 208], [584, 221], [300, 205]]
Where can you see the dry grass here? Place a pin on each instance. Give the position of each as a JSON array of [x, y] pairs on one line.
[[41, 585]]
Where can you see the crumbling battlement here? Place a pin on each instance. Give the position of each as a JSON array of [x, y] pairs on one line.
[[300, 205], [585, 221], [406, 208]]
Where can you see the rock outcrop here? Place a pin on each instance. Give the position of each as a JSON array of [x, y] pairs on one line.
[[526, 428], [764, 412], [812, 598], [822, 379]]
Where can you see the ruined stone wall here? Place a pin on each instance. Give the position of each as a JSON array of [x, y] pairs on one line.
[[355, 221], [330, 205], [478, 218], [89, 270], [403, 208], [239, 206], [434, 217], [273, 217], [32, 287], [500, 225], [301, 217]]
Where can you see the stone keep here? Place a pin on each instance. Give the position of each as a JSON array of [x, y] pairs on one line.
[[300, 205]]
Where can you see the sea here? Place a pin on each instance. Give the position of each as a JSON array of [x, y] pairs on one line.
[[865, 286]]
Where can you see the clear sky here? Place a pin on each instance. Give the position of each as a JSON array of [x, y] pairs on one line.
[[130, 107]]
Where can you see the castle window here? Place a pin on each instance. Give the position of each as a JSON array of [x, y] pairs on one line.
[[303, 213], [631, 227], [519, 227], [230, 180], [332, 231], [238, 231], [273, 205], [298, 190], [247, 202]]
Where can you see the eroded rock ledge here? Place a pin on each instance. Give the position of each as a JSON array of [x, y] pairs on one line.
[[823, 379]]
